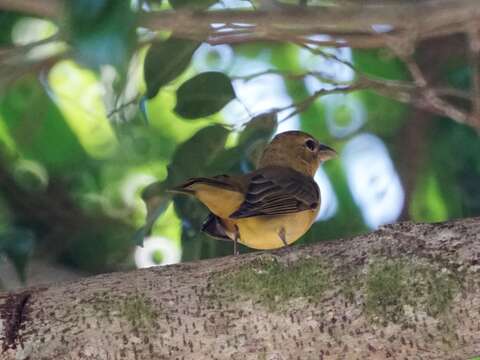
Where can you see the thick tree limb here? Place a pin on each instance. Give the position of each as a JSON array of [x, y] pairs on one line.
[[404, 291], [42, 8], [369, 24], [358, 26]]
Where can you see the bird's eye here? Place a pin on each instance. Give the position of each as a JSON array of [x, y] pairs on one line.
[[311, 145]]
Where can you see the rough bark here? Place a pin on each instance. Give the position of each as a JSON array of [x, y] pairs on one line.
[[406, 291], [350, 24]]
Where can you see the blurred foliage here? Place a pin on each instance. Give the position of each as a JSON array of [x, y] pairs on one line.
[[203, 95], [17, 245], [192, 4], [8, 20], [101, 32], [165, 61], [78, 164]]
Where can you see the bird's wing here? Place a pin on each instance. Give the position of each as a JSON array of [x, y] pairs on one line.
[[219, 181], [276, 191]]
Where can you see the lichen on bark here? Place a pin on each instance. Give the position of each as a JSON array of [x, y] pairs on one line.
[[273, 283], [395, 285], [136, 308]]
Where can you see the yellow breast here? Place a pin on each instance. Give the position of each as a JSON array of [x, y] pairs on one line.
[[262, 232]]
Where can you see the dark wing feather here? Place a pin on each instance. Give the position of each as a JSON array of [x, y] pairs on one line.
[[276, 191], [214, 227], [221, 181]]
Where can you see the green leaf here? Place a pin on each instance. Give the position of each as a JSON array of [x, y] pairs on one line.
[[252, 140], [227, 162], [256, 136], [27, 109], [260, 127], [8, 20], [165, 61], [192, 4], [157, 200], [17, 245], [193, 157], [102, 32], [204, 95]]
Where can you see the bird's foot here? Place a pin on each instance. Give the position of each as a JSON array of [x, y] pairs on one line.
[[283, 237], [236, 251]]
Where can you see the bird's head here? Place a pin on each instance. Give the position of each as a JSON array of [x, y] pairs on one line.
[[298, 150]]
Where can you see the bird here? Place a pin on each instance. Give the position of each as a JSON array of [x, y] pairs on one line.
[[270, 207]]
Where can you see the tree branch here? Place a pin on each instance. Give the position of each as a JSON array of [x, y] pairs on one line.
[[406, 290], [474, 58], [42, 8], [417, 94], [354, 26], [397, 25], [357, 26]]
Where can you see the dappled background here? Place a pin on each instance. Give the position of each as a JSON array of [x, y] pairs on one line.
[[89, 122]]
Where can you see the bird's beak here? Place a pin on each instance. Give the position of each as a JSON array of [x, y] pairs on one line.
[[326, 152]]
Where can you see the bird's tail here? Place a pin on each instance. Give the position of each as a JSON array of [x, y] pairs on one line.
[[188, 187], [214, 227], [180, 190]]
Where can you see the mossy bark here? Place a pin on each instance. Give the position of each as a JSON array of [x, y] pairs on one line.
[[406, 291]]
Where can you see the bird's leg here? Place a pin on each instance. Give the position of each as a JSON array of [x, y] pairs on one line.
[[282, 236], [235, 242]]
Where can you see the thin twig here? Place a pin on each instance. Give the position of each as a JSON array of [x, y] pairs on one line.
[[307, 102], [428, 98], [122, 106], [9, 52], [403, 91], [291, 76], [43, 8], [474, 59]]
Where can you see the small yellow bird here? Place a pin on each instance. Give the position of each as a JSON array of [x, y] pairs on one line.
[[272, 206]]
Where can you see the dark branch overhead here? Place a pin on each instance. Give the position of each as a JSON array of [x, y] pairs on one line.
[[370, 24]]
